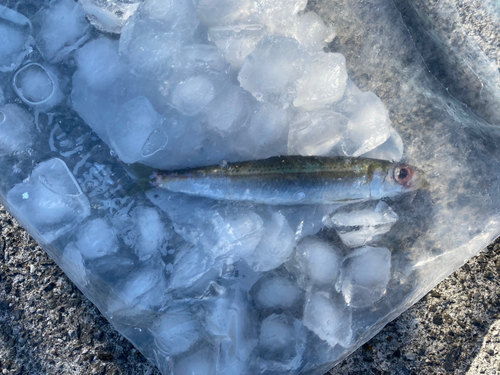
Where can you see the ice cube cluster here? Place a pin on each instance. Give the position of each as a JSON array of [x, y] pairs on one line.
[[96, 93]]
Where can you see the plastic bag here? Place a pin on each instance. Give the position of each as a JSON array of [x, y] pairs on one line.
[[219, 287]]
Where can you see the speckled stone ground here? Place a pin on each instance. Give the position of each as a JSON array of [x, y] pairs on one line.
[[48, 327]]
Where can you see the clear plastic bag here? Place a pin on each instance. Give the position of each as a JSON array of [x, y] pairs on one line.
[[234, 286]]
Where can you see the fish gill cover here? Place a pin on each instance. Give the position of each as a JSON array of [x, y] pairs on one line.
[[95, 95]]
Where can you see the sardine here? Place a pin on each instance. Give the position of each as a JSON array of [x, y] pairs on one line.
[[290, 180]]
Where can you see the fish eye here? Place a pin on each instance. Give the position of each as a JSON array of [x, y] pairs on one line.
[[403, 174]]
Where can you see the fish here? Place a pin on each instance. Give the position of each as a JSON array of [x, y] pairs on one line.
[[293, 180]]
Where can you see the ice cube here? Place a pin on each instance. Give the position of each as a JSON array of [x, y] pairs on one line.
[[145, 287], [264, 135], [275, 13], [201, 362], [364, 276], [190, 265], [192, 95], [236, 42], [61, 28], [150, 232], [138, 131], [37, 86], [178, 15], [275, 71], [15, 30], [317, 133], [391, 150], [176, 332], [369, 124], [276, 292], [359, 226], [317, 261], [111, 268], [228, 111], [326, 83], [99, 63], [96, 239], [311, 32], [109, 15], [238, 232], [230, 322], [224, 12], [329, 318], [282, 342], [76, 270], [17, 129], [276, 245], [152, 37], [51, 200]]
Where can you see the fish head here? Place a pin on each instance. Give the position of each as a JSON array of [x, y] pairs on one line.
[[398, 179]]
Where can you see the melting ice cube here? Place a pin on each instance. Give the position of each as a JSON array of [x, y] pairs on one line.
[[72, 257], [310, 31], [231, 323], [55, 201], [153, 35], [282, 342], [329, 318], [364, 276], [276, 245], [391, 150], [192, 95], [276, 292], [96, 239], [60, 28], [236, 42], [317, 261], [357, 226], [145, 286], [176, 332], [37, 86], [228, 111], [15, 30], [275, 71], [317, 132], [150, 232], [264, 135], [369, 124], [223, 12], [17, 129], [109, 16], [326, 83], [138, 131], [99, 63], [190, 265], [201, 362]]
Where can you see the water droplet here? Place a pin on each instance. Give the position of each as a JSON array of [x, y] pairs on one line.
[[2, 117], [26, 195]]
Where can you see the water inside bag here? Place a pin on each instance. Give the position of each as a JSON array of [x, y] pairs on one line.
[[93, 93]]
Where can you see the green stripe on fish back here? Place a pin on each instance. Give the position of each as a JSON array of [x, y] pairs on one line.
[[336, 167]]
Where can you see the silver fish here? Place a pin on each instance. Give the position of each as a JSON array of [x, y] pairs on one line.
[[289, 180]]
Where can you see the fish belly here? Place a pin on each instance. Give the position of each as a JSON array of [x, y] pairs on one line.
[[270, 191]]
